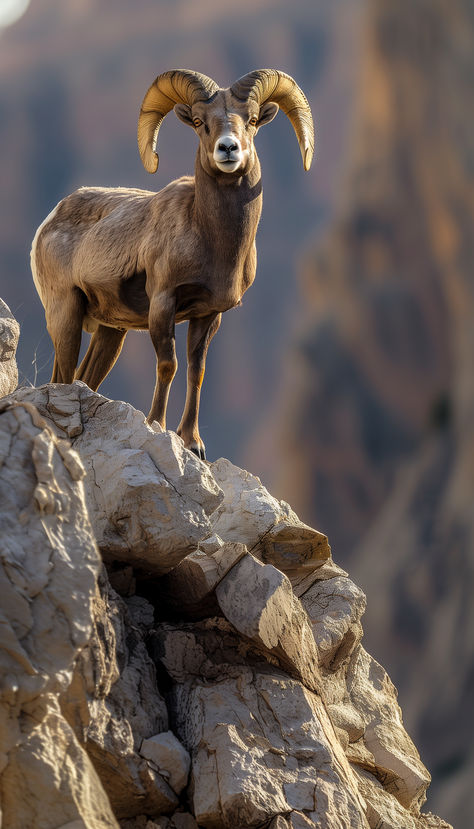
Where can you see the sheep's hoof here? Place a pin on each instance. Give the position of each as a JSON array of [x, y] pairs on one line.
[[200, 451]]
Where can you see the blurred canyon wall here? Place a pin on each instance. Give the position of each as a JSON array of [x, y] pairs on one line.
[[375, 424]]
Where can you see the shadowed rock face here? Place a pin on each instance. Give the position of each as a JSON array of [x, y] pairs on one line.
[[236, 693]]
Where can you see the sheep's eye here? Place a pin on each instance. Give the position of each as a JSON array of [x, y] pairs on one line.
[[253, 122], [197, 122]]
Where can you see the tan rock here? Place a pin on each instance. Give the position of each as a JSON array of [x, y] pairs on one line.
[[262, 746], [278, 822], [9, 335], [384, 810], [48, 573], [334, 607], [345, 717], [49, 781], [268, 527], [211, 544], [396, 759], [170, 757], [190, 586], [114, 704], [148, 497], [258, 600], [298, 820], [301, 581]]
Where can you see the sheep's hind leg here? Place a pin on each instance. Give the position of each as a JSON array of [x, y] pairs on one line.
[[161, 322], [104, 348], [64, 322], [200, 333]]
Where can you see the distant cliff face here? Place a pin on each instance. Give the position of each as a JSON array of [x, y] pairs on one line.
[[380, 420], [379, 348]]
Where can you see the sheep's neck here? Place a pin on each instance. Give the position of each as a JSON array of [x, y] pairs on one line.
[[228, 211]]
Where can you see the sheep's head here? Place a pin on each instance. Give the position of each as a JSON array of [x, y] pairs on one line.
[[226, 120]]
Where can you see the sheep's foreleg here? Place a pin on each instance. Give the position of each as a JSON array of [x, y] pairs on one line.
[[104, 349], [200, 334], [64, 316], [161, 322]]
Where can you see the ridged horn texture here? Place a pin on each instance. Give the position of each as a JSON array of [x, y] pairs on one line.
[[181, 86], [272, 85]]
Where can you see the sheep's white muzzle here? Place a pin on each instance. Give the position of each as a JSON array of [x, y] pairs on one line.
[[228, 154]]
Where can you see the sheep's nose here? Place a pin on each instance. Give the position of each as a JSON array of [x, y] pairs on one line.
[[228, 148]]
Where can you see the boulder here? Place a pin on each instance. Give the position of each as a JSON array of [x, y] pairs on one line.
[[148, 497], [170, 757], [268, 527], [389, 752], [259, 602], [9, 335], [262, 745], [189, 588], [334, 607]]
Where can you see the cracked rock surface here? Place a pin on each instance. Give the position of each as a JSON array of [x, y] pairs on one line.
[[9, 335], [209, 673], [48, 571], [148, 498]]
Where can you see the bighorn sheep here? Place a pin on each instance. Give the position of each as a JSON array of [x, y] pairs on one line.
[[109, 259]]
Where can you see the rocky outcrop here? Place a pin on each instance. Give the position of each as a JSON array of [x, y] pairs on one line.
[[219, 690], [148, 498], [9, 335], [49, 567]]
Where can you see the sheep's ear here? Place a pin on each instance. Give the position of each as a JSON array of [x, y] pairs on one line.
[[183, 111], [267, 113]]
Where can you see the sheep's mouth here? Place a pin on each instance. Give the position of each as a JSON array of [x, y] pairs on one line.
[[228, 165]]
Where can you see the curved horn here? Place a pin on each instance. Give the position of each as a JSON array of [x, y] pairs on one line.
[[177, 86], [272, 85]]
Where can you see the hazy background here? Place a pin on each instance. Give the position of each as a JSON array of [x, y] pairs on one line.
[[346, 378]]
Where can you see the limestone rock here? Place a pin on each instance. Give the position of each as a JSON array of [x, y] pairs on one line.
[[49, 781], [114, 704], [335, 607], [9, 335], [268, 527], [301, 581], [148, 497], [189, 587], [49, 565], [262, 745], [258, 600], [395, 759], [211, 544], [385, 812], [170, 757], [345, 717]]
